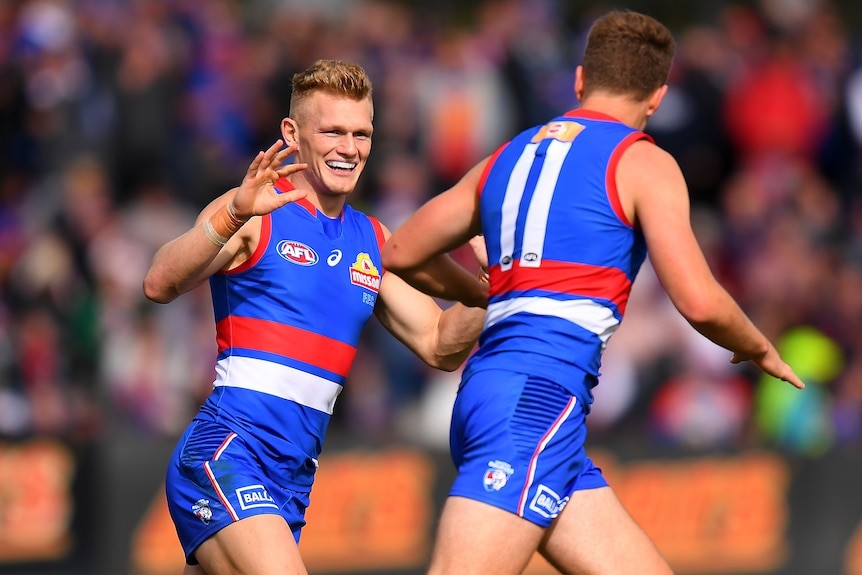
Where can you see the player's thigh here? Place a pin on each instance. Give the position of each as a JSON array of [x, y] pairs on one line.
[[595, 535], [257, 545], [477, 538], [194, 570]]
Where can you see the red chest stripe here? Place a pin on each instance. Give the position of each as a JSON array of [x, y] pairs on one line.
[[295, 343], [564, 277]]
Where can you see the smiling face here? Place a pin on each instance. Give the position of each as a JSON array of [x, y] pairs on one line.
[[334, 137]]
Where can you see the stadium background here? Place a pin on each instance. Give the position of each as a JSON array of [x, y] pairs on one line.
[[120, 119]]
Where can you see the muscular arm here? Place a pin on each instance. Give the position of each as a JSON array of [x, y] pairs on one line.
[[417, 251], [185, 262], [442, 339], [652, 187]]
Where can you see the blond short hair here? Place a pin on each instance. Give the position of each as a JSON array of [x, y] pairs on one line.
[[335, 77]]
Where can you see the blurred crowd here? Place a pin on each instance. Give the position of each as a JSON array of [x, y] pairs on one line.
[[121, 119]]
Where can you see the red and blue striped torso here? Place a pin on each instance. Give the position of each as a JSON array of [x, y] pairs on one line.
[[288, 323], [562, 253]]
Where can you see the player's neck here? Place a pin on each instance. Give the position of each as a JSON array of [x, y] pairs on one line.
[[626, 110], [330, 204]]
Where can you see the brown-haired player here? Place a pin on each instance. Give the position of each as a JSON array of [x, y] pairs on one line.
[[568, 210]]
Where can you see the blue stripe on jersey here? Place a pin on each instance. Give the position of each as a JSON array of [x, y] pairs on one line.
[[529, 190], [545, 346], [555, 296], [280, 359]]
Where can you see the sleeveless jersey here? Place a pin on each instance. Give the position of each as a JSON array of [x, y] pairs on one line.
[[562, 253], [288, 323]]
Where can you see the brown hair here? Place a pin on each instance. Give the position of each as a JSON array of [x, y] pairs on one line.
[[335, 77], [627, 54]]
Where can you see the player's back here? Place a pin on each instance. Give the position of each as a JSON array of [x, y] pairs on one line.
[[562, 253]]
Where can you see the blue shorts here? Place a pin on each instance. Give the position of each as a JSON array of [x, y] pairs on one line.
[[518, 444], [214, 479]]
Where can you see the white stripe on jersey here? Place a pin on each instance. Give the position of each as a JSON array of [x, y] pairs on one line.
[[511, 201], [540, 204], [279, 380], [586, 313]]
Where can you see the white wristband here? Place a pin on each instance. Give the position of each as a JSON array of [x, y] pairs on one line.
[[212, 235]]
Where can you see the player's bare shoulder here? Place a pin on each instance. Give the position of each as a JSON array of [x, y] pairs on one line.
[[646, 172], [645, 157]]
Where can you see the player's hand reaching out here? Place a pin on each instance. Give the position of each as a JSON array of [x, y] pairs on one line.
[[771, 363], [256, 195]]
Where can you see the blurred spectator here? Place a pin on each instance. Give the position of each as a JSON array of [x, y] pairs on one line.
[[463, 108]]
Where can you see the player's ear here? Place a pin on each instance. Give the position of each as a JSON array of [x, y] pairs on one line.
[[579, 83], [655, 100], [289, 130]]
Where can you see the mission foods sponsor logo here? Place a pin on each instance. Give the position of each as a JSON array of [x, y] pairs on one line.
[[297, 253], [364, 273]]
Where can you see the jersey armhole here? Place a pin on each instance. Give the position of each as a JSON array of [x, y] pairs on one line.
[[491, 160], [378, 232], [262, 244], [611, 174]]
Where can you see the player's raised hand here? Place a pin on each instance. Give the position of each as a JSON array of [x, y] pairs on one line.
[[256, 195]]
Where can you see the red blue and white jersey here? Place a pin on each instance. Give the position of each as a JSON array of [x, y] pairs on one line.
[[562, 253], [288, 322]]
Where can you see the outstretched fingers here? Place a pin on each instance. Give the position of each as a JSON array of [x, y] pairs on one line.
[[284, 153], [292, 195], [773, 365], [288, 169], [271, 156], [254, 166], [271, 164], [793, 379]]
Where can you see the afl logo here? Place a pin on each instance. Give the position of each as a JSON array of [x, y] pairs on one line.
[[297, 253]]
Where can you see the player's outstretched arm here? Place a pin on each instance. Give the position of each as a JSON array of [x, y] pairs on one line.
[[441, 338], [417, 251], [221, 232], [650, 181]]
